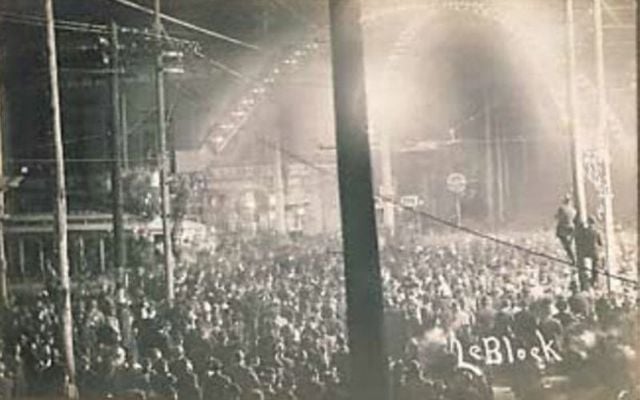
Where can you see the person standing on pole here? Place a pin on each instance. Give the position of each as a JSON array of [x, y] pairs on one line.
[[565, 227], [590, 241]]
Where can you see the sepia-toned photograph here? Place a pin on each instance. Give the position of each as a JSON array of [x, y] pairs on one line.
[[319, 200]]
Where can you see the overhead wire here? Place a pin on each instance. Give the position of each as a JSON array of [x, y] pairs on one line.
[[74, 160], [61, 25], [188, 25], [442, 221], [133, 130], [75, 26], [39, 20], [93, 28]]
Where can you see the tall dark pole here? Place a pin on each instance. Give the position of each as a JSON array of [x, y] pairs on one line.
[[577, 169], [369, 369], [124, 133], [500, 173], [162, 159], [4, 294], [638, 159], [60, 207], [607, 190], [489, 170], [280, 195], [119, 248]]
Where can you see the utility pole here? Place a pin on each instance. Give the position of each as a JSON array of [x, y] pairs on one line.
[[60, 207], [607, 190], [488, 162], [499, 159], [577, 169], [162, 158], [119, 243], [365, 308], [281, 198], [4, 294], [124, 131], [388, 192]]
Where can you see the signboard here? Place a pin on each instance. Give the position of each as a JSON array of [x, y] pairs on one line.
[[409, 201], [456, 183]]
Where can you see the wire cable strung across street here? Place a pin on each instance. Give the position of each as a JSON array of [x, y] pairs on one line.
[[83, 27], [188, 25], [218, 226], [449, 224], [37, 20]]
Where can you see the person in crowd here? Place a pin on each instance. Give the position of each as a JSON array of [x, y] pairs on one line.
[[254, 321]]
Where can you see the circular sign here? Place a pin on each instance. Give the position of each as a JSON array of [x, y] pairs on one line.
[[456, 182]]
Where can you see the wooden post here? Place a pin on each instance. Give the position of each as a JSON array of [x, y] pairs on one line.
[[119, 244], [82, 254], [41, 259], [21, 262], [4, 295], [577, 168], [60, 225], [281, 197], [369, 366], [607, 190], [488, 162], [101, 255], [162, 157], [124, 130], [499, 171]]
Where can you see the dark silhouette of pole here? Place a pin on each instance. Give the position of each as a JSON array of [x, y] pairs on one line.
[[489, 171], [124, 133], [4, 293], [607, 190], [369, 367], [162, 157], [119, 248], [280, 195], [577, 170], [499, 161], [60, 209]]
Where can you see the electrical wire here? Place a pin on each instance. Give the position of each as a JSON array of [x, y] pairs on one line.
[[76, 26], [188, 25], [296, 14], [452, 225], [74, 160], [134, 130], [58, 25]]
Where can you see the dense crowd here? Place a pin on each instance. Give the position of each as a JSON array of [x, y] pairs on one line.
[[255, 319]]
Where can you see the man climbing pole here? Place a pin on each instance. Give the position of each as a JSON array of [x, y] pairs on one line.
[[590, 241], [565, 227]]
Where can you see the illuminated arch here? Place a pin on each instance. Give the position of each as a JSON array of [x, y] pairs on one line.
[[221, 134]]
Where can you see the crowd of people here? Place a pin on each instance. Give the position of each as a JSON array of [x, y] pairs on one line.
[[260, 319]]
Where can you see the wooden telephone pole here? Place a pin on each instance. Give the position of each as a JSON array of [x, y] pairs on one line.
[[119, 243], [488, 162], [60, 208], [369, 366], [280, 195], [577, 169], [162, 158], [607, 190], [4, 294]]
